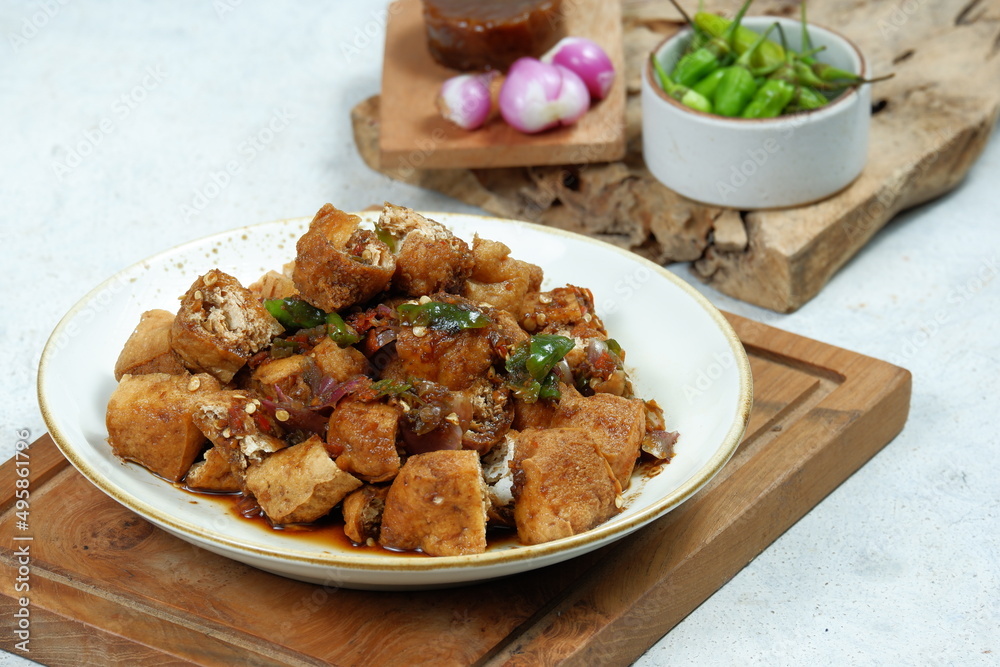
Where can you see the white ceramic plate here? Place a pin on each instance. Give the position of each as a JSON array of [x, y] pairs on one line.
[[681, 351]]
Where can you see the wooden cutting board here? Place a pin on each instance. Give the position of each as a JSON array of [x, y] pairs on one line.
[[929, 124], [108, 588], [416, 136]]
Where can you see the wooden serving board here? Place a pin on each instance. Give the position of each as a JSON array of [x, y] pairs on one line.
[[929, 125], [108, 588], [417, 137]]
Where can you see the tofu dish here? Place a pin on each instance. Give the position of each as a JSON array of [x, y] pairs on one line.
[[422, 390]]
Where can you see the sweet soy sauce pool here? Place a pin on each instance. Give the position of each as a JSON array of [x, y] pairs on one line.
[[328, 532]]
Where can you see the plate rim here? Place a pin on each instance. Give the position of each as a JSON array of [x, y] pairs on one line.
[[569, 545]]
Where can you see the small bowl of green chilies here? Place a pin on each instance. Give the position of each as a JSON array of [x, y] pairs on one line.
[[781, 142]]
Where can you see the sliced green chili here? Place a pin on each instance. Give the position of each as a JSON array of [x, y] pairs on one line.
[[340, 331], [545, 351], [390, 387], [295, 313], [444, 316], [386, 237]]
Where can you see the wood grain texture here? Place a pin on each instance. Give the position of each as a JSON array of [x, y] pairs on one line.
[[109, 588], [417, 137], [929, 125]]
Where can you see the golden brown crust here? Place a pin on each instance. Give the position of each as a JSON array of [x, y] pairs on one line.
[[212, 474], [149, 420], [563, 485], [438, 505], [338, 363], [219, 325], [617, 425], [362, 510], [363, 436], [148, 349], [498, 279], [299, 484], [430, 259], [337, 265]]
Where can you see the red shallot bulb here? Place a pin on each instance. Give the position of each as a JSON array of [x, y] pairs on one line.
[[587, 60], [536, 96], [465, 99]]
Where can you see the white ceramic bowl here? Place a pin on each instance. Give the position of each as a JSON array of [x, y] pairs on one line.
[[758, 163], [684, 353]]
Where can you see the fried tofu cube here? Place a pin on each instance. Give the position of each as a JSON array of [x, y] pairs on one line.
[[238, 428], [212, 474], [148, 349], [289, 376], [563, 485], [617, 425], [430, 258], [149, 420], [299, 484], [437, 504], [498, 279], [338, 265], [362, 511], [568, 311], [363, 435], [338, 363], [220, 324]]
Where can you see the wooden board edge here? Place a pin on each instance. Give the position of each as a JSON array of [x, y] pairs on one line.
[[638, 617], [39, 459]]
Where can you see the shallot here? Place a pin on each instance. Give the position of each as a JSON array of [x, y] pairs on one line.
[[465, 99], [587, 60], [537, 96]]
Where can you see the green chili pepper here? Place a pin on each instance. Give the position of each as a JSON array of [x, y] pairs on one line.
[[444, 316], [770, 99], [707, 86], [616, 348], [682, 94], [529, 367], [770, 53], [550, 388], [385, 237], [281, 348], [806, 99], [341, 333], [737, 86], [545, 351], [295, 313], [696, 65]]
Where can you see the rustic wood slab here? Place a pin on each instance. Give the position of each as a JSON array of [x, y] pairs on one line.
[[109, 588], [416, 136], [930, 123]]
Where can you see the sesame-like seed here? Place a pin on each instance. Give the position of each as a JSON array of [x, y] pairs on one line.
[[282, 415], [437, 500], [544, 298], [619, 501], [452, 417], [198, 295], [542, 319], [210, 279], [587, 317], [227, 433], [194, 384], [239, 396], [405, 406], [419, 331], [425, 299], [370, 542], [250, 408]]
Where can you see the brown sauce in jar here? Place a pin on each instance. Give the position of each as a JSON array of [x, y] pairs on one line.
[[490, 34]]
